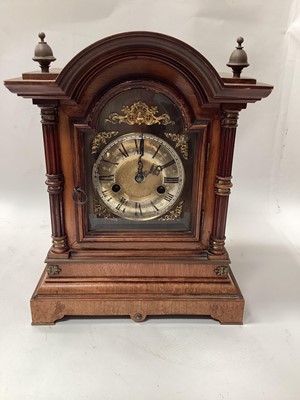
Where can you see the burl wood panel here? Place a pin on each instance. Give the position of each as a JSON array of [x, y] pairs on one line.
[[136, 301]]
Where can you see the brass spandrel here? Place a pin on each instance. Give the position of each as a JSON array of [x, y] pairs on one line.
[[140, 113]]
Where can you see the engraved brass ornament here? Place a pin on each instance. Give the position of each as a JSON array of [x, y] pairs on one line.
[[140, 113], [173, 215], [222, 271], [138, 177], [101, 138], [53, 270], [101, 211], [181, 141]]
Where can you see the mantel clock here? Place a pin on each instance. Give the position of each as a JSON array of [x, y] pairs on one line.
[[139, 133]]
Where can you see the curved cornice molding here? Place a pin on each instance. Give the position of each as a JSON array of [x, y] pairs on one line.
[[106, 53]]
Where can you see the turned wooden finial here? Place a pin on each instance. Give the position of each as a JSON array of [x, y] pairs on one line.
[[238, 59], [43, 53]]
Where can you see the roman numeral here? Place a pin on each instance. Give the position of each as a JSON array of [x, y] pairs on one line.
[[139, 146], [169, 197], [154, 206], [123, 151], [106, 177], [106, 192], [168, 179], [110, 162], [123, 202], [157, 150], [138, 209]]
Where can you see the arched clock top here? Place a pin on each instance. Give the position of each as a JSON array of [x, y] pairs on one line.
[[135, 55]]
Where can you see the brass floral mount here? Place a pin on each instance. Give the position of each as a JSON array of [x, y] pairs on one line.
[[53, 270], [181, 141], [101, 138], [174, 214], [222, 271], [140, 113], [101, 211]]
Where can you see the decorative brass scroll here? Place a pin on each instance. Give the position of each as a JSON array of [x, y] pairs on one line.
[[222, 271], [101, 211], [181, 141], [140, 113], [101, 138], [53, 270], [173, 214]]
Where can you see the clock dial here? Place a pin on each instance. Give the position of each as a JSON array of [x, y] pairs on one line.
[[138, 176]]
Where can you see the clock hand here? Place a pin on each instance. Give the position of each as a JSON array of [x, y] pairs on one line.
[[140, 176], [151, 171], [159, 168], [142, 143]]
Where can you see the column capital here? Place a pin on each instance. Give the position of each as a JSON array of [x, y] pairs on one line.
[[49, 114], [229, 119]]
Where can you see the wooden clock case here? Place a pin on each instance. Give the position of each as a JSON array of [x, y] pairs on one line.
[[138, 274]]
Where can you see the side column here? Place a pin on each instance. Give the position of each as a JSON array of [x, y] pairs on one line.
[[55, 179], [223, 182]]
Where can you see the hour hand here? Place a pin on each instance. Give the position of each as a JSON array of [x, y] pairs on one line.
[[151, 171], [139, 176]]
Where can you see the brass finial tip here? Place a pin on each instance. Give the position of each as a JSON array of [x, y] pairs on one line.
[[43, 53], [42, 36], [240, 40], [238, 59]]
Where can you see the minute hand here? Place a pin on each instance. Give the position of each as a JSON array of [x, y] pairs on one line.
[[140, 175], [161, 167]]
